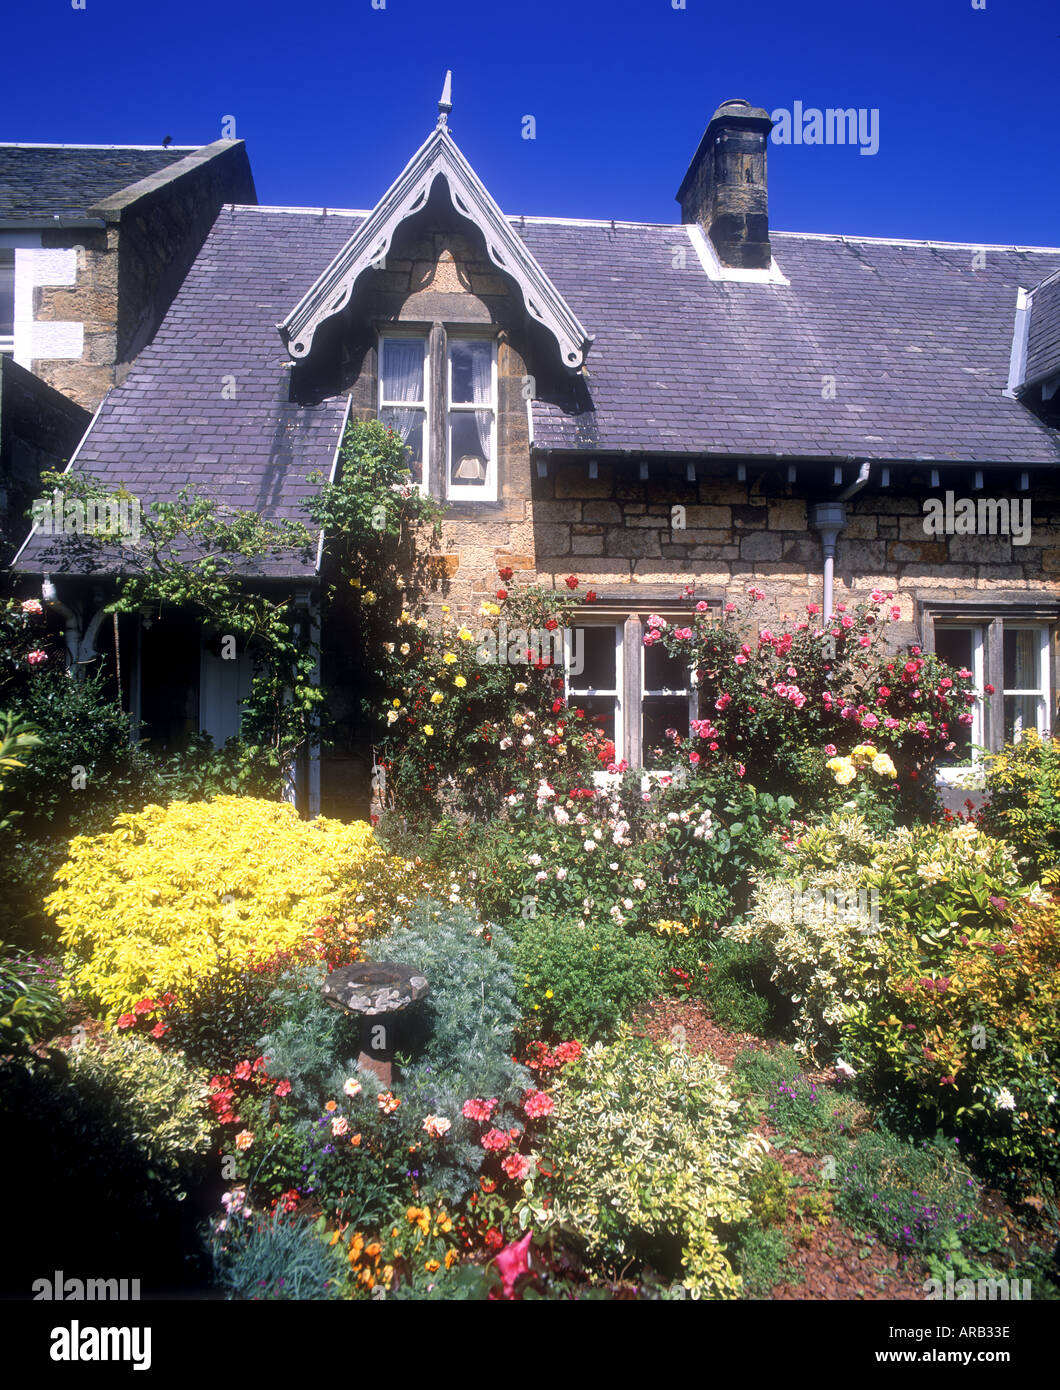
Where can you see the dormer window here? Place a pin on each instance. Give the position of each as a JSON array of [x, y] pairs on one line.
[[471, 468], [403, 398]]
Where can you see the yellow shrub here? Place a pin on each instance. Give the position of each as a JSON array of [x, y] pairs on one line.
[[154, 903]]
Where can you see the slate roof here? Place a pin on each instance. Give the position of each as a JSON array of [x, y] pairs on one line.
[[918, 341], [1043, 335], [41, 181]]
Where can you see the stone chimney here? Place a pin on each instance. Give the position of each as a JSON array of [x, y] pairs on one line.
[[725, 188]]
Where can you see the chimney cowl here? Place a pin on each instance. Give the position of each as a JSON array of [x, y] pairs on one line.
[[725, 188]]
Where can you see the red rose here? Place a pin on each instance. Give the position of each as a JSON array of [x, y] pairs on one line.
[[501, 595], [571, 581], [590, 597], [506, 573]]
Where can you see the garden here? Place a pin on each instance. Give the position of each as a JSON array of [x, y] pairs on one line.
[[764, 1022]]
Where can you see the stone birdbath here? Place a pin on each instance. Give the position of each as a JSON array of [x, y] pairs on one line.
[[376, 992]]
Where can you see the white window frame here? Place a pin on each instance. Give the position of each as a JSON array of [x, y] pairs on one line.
[[381, 404], [586, 692], [1041, 693], [470, 492], [955, 775]]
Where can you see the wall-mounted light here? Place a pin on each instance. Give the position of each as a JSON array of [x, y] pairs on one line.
[[594, 469], [47, 590], [643, 471]]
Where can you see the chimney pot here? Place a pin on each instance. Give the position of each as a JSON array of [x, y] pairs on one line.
[[725, 188]]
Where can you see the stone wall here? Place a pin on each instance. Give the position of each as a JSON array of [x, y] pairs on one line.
[[129, 271]]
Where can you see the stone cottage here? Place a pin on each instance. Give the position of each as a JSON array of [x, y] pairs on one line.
[[644, 405]]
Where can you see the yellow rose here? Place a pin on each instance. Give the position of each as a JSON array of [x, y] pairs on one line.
[[397, 704], [449, 658], [428, 730], [465, 635], [437, 698], [460, 682]]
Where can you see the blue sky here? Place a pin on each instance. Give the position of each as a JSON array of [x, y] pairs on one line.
[[332, 98]]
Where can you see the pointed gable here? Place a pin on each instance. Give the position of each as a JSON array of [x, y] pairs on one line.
[[437, 157]]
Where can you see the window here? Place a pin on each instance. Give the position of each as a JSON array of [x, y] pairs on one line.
[[1026, 664], [7, 299], [630, 692], [593, 673], [403, 398], [471, 471], [667, 702], [962, 647], [1011, 654]]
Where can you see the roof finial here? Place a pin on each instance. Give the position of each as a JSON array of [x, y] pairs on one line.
[[446, 103]]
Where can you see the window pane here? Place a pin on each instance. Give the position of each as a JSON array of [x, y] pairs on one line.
[[7, 293], [597, 645], [472, 373], [663, 671], [660, 714], [409, 425], [599, 712], [402, 370], [1021, 714], [961, 754], [469, 447], [954, 646], [1022, 646]]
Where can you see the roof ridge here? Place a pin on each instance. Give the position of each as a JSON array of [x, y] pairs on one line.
[[46, 145]]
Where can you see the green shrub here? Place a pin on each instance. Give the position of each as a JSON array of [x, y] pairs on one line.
[[111, 1172], [739, 992], [919, 1197], [655, 1155], [1023, 785], [277, 1258], [767, 1191], [159, 1101], [814, 925], [220, 1020], [761, 1256], [582, 980], [30, 1008], [797, 1106], [963, 1033]]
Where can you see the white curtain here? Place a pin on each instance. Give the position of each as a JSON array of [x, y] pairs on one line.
[[403, 381], [482, 387]]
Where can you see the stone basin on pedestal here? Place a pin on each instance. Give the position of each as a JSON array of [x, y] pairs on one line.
[[376, 992]]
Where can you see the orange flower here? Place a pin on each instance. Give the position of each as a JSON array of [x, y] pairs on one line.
[[374, 1250], [331, 1105], [451, 1258], [431, 1266], [356, 1141], [244, 1139]]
